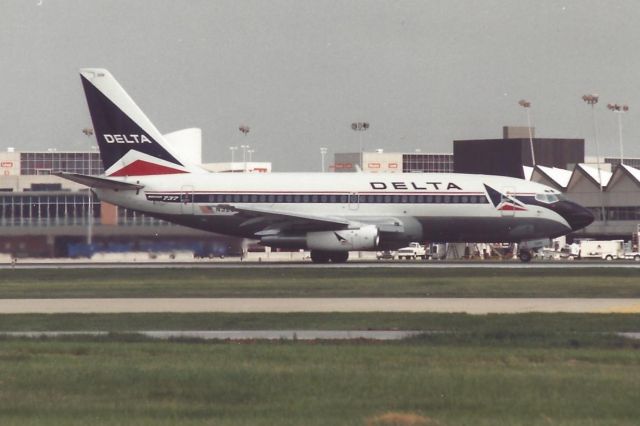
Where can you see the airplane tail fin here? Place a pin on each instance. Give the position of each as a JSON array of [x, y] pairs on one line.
[[130, 145]]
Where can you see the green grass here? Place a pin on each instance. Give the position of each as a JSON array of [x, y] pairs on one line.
[[525, 369], [160, 383], [329, 282]]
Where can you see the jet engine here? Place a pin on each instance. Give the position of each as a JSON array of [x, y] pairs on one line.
[[363, 238]]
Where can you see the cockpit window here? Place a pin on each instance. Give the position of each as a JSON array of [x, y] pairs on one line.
[[547, 198]]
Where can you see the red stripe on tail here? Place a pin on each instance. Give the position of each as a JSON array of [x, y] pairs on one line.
[[144, 168]]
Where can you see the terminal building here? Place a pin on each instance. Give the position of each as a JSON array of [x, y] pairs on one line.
[[393, 162], [508, 155]]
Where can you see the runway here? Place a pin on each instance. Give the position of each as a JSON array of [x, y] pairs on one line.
[[478, 306], [309, 265], [384, 335]]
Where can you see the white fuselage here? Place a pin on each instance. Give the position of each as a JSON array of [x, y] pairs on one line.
[[447, 207]]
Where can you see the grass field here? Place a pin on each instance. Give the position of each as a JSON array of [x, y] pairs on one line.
[[526, 369], [443, 383], [329, 282]]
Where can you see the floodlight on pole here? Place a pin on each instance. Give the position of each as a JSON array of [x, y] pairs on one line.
[[244, 149], [323, 152], [592, 100], [619, 110], [233, 150], [245, 131], [360, 126], [527, 106]]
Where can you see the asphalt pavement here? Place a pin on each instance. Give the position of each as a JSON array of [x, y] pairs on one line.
[[319, 305]]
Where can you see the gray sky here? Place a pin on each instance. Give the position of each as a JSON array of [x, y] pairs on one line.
[[423, 73]]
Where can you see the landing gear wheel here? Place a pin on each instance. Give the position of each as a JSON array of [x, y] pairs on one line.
[[339, 256], [319, 256], [525, 256]]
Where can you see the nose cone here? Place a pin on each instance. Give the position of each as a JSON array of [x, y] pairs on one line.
[[577, 216]]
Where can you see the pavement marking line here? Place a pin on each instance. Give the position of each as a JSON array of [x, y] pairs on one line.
[[319, 305]]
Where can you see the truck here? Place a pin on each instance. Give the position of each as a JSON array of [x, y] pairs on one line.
[[413, 251], [604, 250], [632, 255]]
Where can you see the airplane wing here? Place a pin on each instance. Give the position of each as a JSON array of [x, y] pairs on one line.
[[98, 182], [273, 221]]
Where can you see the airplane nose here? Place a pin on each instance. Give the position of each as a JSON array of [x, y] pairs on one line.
[[577, 216]]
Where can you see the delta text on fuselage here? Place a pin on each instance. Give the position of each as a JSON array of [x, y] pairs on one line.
[[417, 186]]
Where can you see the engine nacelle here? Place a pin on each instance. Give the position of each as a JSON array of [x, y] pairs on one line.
[[365, 238]]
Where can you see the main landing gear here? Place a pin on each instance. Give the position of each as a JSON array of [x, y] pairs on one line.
[[318, 256], [525, 256]]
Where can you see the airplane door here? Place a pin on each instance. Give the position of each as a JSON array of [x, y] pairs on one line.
[[506, 205], [186, 200], [354, 201]]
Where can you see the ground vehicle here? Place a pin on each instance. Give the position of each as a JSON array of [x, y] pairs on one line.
[[570, 251], [413, 251], [632, 255], [605, 250], [386, 254]]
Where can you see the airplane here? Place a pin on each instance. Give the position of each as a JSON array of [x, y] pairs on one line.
[[328, 214]]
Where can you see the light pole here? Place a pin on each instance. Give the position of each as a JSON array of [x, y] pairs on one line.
[[88, 132], [527, 105], [245, 131], [244, 156], [250, 152], [233, 150], [360, 126], [323, 152], [619, 110], [592, 99]]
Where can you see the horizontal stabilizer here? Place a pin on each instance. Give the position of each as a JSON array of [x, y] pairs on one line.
[[99, 182]]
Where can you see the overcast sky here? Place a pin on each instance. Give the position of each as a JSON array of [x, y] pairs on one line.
[[298, 72]]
